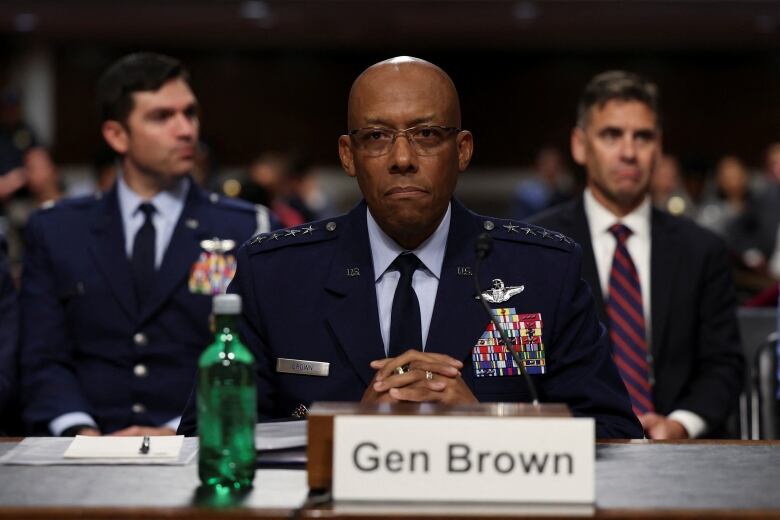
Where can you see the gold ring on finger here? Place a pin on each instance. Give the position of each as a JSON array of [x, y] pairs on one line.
[[429, 375]]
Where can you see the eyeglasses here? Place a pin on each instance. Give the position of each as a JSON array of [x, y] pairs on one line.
[[425, 139]]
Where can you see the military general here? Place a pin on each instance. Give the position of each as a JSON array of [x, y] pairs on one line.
[[379, 305]]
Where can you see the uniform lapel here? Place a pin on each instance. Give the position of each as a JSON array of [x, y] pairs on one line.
[[664, 258], [108, 251], [352, 314], [458, 321], [182, 252]]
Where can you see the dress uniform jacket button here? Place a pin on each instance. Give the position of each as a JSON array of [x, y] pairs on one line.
[[138, 408], [330, 226], [140, 339], [140, 370], [489, 225]]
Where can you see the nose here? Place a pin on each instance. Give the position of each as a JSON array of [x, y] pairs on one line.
[[186, 126], [628, 149], [403, 158]]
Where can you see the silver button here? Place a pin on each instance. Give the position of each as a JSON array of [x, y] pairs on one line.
[[140, 339], [214, 198], [489, 225], [140, 370], [138, 408], [330, 226]]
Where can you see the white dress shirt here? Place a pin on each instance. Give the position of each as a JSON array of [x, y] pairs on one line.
[[425, 281], [639, 245]]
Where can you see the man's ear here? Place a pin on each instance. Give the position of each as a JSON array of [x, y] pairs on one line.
[[578, 151], [116, 136], [346, 155], [465, 143]]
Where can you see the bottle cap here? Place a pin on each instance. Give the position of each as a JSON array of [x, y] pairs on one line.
[[227, 304]]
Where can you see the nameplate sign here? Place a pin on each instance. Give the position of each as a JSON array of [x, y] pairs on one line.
[[466, 459]]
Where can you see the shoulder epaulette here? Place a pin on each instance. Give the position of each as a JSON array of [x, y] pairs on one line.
[[231, 203], [81, 201], [501, 229], [303, 234]]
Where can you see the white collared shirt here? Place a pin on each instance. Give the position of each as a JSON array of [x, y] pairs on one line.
[[600, 219], [168, 205], [425, 280]]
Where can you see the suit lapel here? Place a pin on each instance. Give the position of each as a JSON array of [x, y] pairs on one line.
[[577, 227], [359, 338], [182, 252], [108, 252], [664, 257], [458, 320]]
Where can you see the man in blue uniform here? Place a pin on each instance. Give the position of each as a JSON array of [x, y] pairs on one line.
[[9, 318], [379, 304], [116, 289]]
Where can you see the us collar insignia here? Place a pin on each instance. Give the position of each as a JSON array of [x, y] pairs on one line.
[[499, 293]]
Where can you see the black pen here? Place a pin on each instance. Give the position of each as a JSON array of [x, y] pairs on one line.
[[144, 446]]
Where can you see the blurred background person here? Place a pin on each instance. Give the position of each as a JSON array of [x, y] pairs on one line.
[[668, 190], [550, 183], [267, 183]]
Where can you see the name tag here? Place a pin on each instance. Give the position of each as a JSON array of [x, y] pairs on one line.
[[302, 367], [464, 459]]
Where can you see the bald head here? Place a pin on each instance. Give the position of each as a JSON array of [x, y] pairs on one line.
[[403, 78]]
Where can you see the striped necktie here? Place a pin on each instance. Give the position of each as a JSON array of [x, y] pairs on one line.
[[627, 324]]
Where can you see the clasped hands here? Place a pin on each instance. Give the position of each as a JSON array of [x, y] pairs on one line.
[[418, 377]]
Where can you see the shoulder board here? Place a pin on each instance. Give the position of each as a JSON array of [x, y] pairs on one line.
[[83, 201], [516, 231], [226, 202], [304, 234]]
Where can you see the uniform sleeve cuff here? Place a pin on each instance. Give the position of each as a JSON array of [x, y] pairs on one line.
[[173, 424], [693, 423], [69, 420]]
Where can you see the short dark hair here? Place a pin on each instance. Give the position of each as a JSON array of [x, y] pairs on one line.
[[138, 72], [620, 85]]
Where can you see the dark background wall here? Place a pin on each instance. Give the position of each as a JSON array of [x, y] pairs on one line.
[[277, 77]]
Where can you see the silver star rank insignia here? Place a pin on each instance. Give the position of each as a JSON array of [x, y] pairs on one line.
[[511, 228]]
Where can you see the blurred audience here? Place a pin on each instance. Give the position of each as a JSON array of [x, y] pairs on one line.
[[550, 184], [728, 199], [667, 189], [267, 184]]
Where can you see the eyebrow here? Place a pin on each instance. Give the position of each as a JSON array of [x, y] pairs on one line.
[[378, 121]]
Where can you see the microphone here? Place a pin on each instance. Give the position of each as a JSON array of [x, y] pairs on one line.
[[483, 248]]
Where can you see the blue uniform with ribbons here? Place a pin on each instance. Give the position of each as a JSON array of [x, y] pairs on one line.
[[88, 346], [309, 294]]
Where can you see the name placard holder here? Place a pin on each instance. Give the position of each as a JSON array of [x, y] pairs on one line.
[[479, 453]]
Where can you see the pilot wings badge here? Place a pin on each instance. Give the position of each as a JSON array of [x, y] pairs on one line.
[[499, 293]]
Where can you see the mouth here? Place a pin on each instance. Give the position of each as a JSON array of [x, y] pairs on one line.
[[405, 192]]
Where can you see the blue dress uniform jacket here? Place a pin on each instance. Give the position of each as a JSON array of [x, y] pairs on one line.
[[9, 325], [87, 347], [309, 294]]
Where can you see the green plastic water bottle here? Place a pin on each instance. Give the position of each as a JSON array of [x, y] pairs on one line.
[[227, 410]]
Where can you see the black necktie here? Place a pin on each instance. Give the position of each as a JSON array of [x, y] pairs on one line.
[[405, 328], [143, 255]]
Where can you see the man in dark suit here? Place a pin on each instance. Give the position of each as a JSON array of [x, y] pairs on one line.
[[116, 290], [662, 284], [379, 305]]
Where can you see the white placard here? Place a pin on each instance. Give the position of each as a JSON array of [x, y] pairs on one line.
[[466, 459]]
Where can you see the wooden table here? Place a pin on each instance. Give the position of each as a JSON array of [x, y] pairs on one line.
[[634, 479]]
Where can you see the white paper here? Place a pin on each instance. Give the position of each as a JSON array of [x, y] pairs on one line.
[[89, 447], [49, 451], [280, 435]]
